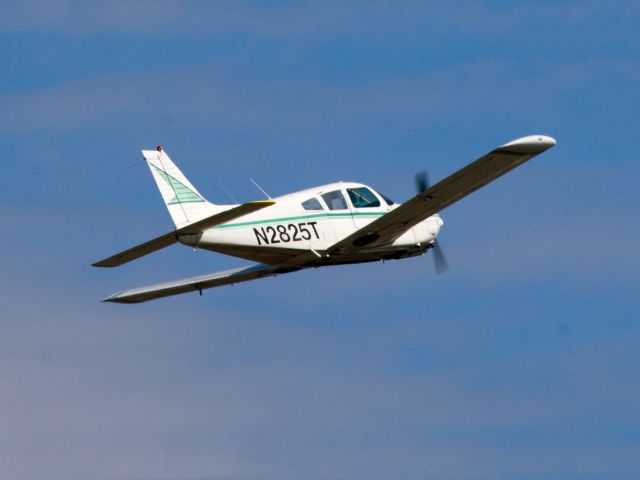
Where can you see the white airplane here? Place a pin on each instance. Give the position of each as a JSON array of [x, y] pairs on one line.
[[332, 224]]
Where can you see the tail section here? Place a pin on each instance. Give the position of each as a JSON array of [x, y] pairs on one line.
[[185, 204]]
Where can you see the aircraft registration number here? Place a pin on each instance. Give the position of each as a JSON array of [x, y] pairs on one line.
[[292, 232]]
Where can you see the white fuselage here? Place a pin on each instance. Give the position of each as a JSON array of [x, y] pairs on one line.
[[313, 220]]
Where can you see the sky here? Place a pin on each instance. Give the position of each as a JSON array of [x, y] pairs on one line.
[[521, 361]]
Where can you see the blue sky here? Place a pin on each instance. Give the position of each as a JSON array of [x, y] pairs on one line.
[[521, 362]]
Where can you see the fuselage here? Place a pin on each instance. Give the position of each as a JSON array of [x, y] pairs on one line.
[[313, 220]]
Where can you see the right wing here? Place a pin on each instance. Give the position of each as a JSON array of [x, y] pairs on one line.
[[494, 164], [194, 284], [172, 237]]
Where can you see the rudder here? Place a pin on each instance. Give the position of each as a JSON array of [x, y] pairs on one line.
[[185, 204]]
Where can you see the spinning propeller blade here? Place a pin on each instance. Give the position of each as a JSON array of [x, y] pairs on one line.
[[440, 261], [422, 181]]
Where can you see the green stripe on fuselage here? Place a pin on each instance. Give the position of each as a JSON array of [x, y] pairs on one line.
[[300, 217]]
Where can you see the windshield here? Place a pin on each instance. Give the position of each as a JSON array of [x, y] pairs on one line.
[[362, 197]]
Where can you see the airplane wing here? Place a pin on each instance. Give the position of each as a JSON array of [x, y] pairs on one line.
[[195, 284], [494, 164], [172, 237]]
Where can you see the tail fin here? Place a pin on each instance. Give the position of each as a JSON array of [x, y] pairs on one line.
[[185, 204]]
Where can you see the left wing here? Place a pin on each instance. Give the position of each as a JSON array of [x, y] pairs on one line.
[[199, 283], [494, 164]]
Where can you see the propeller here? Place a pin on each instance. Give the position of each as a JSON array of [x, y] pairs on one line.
[[422, 181], [439, 259]]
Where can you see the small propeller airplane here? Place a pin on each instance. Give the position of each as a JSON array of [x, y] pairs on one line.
[[333, 224]]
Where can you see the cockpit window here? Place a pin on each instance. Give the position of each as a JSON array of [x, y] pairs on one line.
[[363, 198], [312, 204], [335, 200], [386, 199]]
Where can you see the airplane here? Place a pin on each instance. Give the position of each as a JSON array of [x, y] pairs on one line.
[[334, 224]]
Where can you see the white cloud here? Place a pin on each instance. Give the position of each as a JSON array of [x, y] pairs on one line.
[[460, 94], [409, 19]]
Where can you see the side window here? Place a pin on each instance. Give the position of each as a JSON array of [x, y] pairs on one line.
[[312, 204], [335, 200], [363, 198]]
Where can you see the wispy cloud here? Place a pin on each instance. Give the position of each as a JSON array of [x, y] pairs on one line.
[[233, 403], [499, 88], [295, 19]]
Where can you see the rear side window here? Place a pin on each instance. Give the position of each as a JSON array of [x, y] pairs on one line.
[[335, 200], [363, 198], [312, 204]]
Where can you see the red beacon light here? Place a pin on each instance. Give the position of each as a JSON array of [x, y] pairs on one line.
[[159, 148]]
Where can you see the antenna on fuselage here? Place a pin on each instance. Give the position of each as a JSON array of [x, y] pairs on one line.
[[259, 188]]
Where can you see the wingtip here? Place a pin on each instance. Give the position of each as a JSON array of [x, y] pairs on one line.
[[111, 298], [117, 298], [529, 144]]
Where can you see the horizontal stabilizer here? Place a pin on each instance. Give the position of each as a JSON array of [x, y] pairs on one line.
[[172, 237], [194, 284]]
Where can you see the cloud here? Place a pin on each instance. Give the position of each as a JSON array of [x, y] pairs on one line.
[[409, 19], [32, 14], [454, 94], [155, 393], [67, 106]]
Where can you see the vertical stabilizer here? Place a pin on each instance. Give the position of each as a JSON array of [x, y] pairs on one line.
[[185, 204]]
